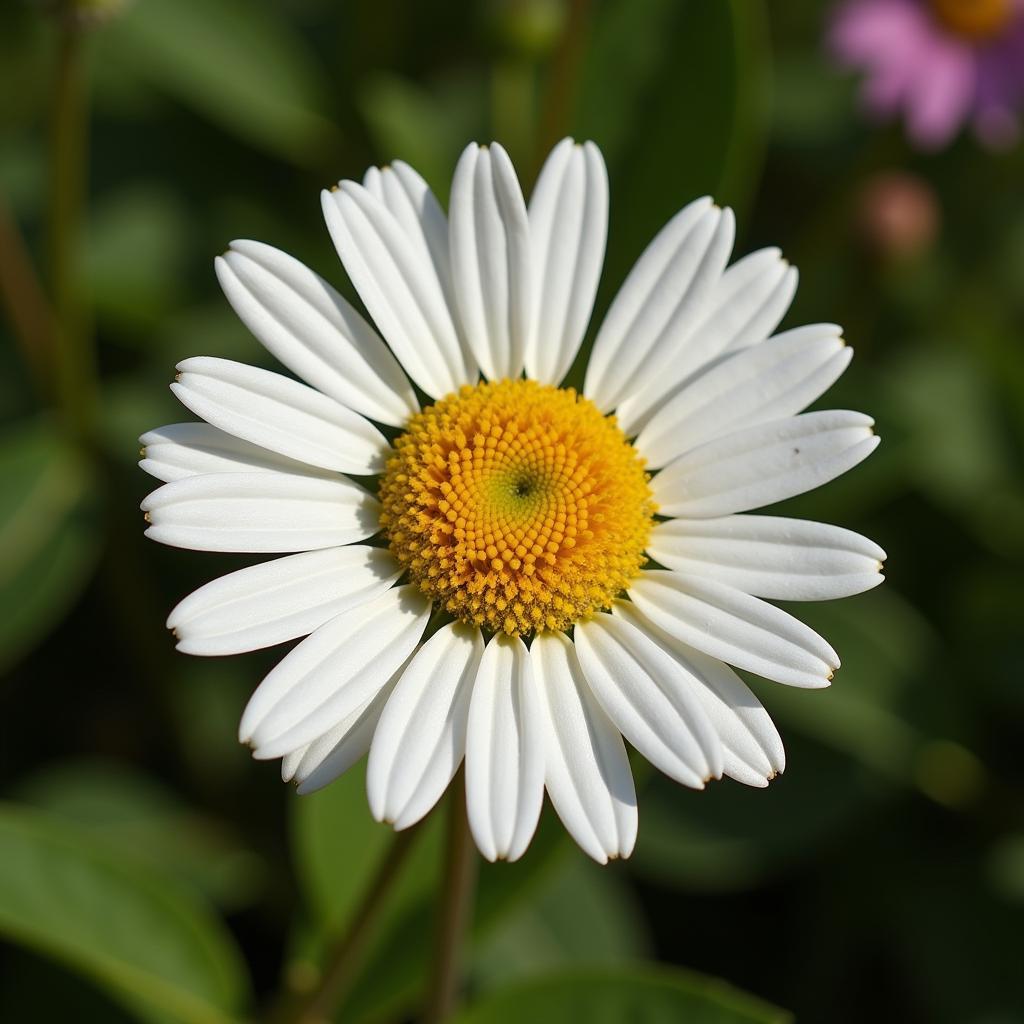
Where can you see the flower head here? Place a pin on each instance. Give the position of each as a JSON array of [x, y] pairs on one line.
[[538, 572], [942, 63]]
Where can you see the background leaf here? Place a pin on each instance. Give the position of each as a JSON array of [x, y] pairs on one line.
[[615, 995], [240, 64], [140, 936], [49, 533]]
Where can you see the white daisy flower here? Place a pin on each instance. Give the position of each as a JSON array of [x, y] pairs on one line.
[[548, 572]]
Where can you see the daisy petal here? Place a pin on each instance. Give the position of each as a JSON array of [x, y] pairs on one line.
[[321, 762], [734, 627], [660, 303], [753, 749], [763, 464], [770, 556], [412, 203], [399, 287], [767, 382], [280, 415], [647, 697], [587, 770], [490, 249], [308, 327], [334, 672], [504, 751], [421, 738], [188, 449], [280, 600], [748, 302], [262, 512], [568, 228]]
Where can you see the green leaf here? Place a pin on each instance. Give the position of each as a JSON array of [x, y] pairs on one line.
[[883, 643], [612, 996], [135, 254], [49, 534], [141, 937], [338, 847], [426, 127], [126, 811], [238, 63], [698, 73], [581, 914], [730, 837]]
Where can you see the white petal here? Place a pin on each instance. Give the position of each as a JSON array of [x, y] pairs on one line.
[[763, 464], [280, 600], [260, 512], [568, 228], [504, 751], [329, 756], [334, 672], [319, 763], [747, 303], [280, 415], [587, 771], [734, 627], [490, 248], [753, 748], [660, 303], [421, 738], [767, 382], [399, 287], [770, 556], [312, 330], [646, 695], [188, 449], [409, 198]]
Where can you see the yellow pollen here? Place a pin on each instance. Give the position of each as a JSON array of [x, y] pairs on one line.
[[973, 19], [517, 506]]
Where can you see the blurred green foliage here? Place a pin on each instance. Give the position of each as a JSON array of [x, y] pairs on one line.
[[881, 878]]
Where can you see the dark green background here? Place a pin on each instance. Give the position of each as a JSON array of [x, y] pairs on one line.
[[149, 870]]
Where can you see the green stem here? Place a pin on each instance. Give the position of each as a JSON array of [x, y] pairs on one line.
[[456, 896], [345, 958], [563, 78], [75, 366], [512, 106], [23, 296]]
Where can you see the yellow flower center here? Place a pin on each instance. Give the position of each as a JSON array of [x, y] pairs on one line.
[[973, 19], [517, 506]]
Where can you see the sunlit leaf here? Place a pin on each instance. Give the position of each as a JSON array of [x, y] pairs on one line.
[[138, 935], [427, 128], [238, 63]]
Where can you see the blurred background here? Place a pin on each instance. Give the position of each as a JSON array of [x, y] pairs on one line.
[[149, 870]]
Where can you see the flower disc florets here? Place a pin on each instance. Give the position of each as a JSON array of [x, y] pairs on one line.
[[518, 506]]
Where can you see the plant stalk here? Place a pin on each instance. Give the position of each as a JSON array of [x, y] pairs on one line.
[[343, 961], [456, 896], [75, 369]]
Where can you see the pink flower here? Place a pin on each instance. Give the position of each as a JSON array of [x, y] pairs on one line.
[[941, 62]]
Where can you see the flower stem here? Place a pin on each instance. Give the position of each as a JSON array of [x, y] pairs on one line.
[[27, 306], [563, 78], [345, 958], [456, 896], [75, 361]]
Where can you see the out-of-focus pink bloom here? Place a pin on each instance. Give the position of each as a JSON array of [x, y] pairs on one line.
[[941, 62], [897, 215]]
